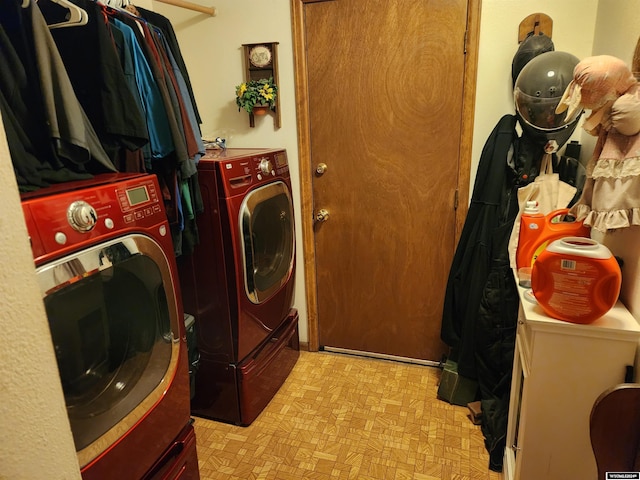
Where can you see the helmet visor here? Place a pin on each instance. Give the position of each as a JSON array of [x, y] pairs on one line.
[[539, 112]]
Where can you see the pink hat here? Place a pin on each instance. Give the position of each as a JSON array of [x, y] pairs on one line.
[[597, 81]]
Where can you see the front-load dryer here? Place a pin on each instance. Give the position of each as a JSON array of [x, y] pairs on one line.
[[238, 283]]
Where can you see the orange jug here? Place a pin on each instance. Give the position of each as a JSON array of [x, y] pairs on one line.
[[576, 279], [538, 230]]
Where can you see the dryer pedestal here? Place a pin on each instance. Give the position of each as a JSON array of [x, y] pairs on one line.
[[237, 393]]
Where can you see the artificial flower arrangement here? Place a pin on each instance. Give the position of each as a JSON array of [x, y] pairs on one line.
[[254, 93]]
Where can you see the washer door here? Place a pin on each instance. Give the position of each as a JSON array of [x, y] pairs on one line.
[[114, 324], [267, 232]]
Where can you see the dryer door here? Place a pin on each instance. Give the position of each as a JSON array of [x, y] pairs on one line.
[[267, 232], [113, 317]]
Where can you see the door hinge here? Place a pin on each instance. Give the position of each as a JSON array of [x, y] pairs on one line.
[[455, 200], [464, 46]]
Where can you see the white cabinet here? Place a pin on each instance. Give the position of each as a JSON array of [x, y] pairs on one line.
[[559, 370]]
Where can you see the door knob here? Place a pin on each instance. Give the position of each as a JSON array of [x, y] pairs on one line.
[[321, 168], [322, 215]]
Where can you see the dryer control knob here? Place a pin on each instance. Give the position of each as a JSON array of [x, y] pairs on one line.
[[265, 166], [82, 216]]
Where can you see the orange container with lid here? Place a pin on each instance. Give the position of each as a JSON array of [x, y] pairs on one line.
[[538, 230], [576, 279]]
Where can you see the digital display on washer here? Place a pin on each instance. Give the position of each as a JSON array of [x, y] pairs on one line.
[[281, 159], [137, 195]]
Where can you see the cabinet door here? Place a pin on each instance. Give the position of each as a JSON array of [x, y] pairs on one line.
[[569, 370], [517, 423]]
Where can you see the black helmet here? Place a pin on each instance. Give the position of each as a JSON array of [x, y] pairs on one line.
[[531, 47], [538, 90]]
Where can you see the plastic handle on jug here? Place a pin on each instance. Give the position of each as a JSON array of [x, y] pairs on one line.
[[556, 213], [537, 231], [610, 288]]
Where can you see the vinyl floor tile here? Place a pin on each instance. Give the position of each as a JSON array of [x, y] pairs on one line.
[[352, 418]]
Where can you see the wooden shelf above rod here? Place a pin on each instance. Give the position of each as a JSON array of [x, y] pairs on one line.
[[191, 6]]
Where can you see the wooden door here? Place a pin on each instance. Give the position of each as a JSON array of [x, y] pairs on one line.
[[385, 104]]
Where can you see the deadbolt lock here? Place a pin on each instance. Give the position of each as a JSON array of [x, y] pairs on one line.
[[321, 168], [322, 215]]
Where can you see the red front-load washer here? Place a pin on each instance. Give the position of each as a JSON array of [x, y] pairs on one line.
[[106, 268], [238, 283]]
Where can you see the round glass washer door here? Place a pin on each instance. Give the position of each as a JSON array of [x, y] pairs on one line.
[[267, 230], [113, 318]]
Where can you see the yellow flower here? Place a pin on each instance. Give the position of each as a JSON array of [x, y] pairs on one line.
[[256, 92], [266, 92]]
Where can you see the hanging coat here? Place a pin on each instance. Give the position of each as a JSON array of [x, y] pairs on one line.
[[481, 302], [472, 260]]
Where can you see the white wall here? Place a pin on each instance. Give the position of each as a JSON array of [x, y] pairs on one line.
[[36, 439]]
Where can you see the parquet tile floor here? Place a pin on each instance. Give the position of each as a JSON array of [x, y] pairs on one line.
[[345, 417]]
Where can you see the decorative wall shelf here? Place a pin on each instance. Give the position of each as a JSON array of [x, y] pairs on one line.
[[261, 61]]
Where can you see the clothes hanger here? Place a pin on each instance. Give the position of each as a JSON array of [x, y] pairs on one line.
[[75, 16], [119, 4], [124, 7]]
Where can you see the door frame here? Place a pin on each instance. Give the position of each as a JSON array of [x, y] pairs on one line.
[[304, 145]]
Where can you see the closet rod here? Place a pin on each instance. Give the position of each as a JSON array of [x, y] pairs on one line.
[[191, 6]]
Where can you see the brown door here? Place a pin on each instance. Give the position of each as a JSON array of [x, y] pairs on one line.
[[385, 93]]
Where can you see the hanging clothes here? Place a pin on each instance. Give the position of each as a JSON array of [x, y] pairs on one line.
[[495, 339], [27, 152], [191, 200], [472, 260], [188, 109], [481, 300], [165, 26], [114, 95], [176, 171], [154, 111], [69, 127], [95, 71], [50, 138]]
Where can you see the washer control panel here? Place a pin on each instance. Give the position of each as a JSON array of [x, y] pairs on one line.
[[62, 220], [248, 172]]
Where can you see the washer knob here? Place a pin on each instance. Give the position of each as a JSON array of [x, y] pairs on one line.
[[81, 216], [265, 166]]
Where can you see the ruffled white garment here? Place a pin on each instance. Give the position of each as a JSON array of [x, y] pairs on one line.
[[611, 194]]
